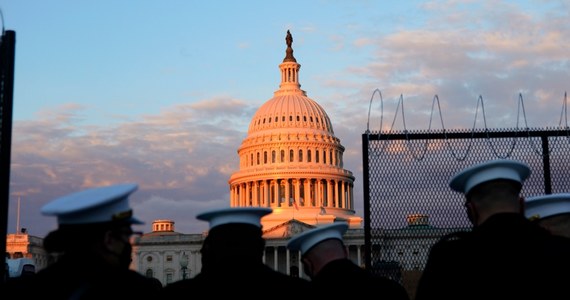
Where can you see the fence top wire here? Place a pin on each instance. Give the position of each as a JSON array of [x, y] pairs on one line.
[[562, 129]]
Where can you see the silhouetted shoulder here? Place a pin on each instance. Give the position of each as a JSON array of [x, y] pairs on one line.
[[456, 236], [558, 246], [453, 244], [218, 284], [390, 289], [179, 287]]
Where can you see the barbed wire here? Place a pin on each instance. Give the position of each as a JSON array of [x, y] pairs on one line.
[[420, 155]]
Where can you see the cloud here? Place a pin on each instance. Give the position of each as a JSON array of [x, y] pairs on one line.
[[461, 54], [184, 154]]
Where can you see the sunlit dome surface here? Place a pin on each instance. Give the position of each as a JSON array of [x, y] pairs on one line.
[[293, 110]]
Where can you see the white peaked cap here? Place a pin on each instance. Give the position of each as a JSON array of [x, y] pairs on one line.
[[309, 238], [468, 178], [243, 215], [95, 205], [547, 205]]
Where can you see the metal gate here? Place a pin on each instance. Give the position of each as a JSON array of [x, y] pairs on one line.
[[408, 204]]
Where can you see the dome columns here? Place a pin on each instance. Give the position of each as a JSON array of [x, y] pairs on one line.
[[293, 192]]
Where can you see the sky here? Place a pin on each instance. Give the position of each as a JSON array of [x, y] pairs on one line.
[[161, 93]]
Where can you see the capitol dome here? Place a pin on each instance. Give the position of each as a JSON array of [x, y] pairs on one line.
[[292, 110], [291, 160]]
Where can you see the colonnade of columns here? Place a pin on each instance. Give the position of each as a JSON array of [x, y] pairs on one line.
[[290, 72], [293, 192]]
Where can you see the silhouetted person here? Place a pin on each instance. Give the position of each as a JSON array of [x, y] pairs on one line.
[[232, 261], [505, 256], [551, 212], [93, 238], [325, 260]]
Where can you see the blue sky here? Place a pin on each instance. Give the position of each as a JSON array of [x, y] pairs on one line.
[[161, 92]]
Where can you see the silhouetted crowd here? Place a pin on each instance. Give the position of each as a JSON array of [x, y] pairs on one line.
[[517, 249]]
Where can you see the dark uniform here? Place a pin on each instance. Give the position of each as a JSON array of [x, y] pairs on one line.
[[94, 227], [232, 262], [333, 274], [84, 278], [241, 279], [360, 284], [506, 257]]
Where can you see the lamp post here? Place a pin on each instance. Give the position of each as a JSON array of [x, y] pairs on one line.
[[183, 264]]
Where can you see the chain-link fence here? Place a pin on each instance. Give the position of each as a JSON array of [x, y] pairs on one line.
[[408, 204]]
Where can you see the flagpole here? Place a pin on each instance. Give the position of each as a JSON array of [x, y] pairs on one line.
[[18, 217]]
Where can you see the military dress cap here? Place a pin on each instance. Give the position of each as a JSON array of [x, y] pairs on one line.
[[468, 178], [95, 205], [539, 207], [242, 215], [309, 238]]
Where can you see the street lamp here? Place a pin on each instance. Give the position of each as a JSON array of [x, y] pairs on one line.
[[183, 264]]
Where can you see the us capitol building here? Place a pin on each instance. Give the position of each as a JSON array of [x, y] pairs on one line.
[[290, 161]]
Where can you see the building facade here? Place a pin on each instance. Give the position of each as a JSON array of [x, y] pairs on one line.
[[170, 256], [23, 245]]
